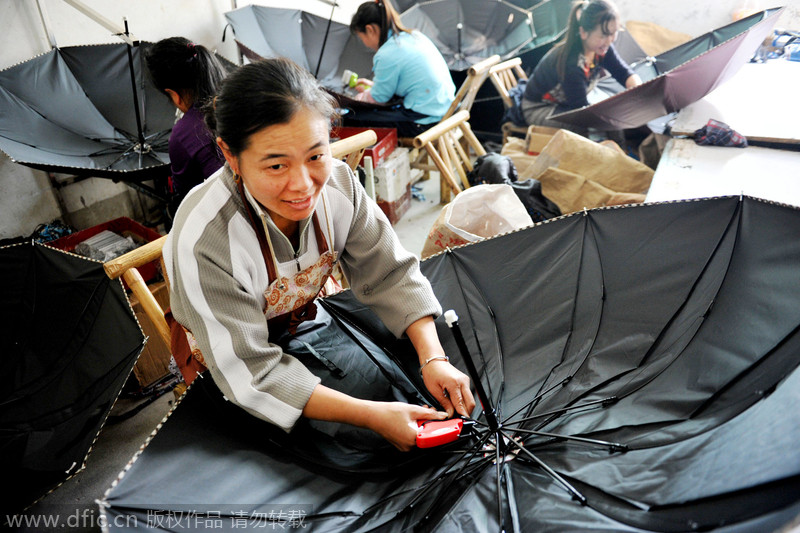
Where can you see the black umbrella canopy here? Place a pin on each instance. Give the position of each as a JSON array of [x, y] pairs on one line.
[[642, 364], [468, 31], [679, 77], [69, 341], [324, 47], [72, 110]]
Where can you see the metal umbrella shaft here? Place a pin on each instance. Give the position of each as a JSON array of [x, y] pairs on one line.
[[139, 131], [452, 321]]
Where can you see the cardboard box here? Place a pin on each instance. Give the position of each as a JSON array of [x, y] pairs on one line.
[[392, 176], [537, 138], [380, 151], [124, 226], [153, 363], [395, 210]]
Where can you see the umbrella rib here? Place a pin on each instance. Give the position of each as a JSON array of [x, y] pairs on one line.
[[605, 402], [579, 362], [490, 311], [612, 446], [633, 372], [457, 475], [499, 464], [576, 495], [345, 323]]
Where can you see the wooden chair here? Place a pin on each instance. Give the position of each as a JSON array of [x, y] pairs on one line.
[[465, 97], [449, 144], [351, 149], [505, 76], [476, 76]]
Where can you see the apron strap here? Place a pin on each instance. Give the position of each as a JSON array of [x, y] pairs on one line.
[[263, 242]]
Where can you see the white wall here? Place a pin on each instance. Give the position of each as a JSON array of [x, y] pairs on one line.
[[696, 17], [26, 198]]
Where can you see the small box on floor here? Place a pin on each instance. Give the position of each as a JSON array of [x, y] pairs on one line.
[[395, 210], [393, 184]]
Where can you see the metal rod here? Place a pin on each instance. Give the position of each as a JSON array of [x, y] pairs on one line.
[[576, 495], [139, 132], [488, 410], [459, 55], [325, 39], [613, 446], [605, 402], [103, 21], [46, 24]]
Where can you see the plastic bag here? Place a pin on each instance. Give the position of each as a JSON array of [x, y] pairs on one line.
[[475, 214]]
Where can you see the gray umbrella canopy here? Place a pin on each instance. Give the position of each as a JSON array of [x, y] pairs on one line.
[[72, 110], [642, 362], [323, 47], [468, 31], [678, 77]]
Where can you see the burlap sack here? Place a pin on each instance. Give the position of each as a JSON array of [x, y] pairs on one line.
[[654, 39], [516, 149], [601, 164], [477, 213], [573, 192]]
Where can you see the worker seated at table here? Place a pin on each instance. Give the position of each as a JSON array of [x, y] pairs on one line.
[[406, 65], [567, 73]]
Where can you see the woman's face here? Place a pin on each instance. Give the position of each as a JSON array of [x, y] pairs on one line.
[[285, 167], [597, 41], [371, 36]]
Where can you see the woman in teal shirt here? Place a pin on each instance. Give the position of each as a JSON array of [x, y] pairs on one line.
[[406, 65]]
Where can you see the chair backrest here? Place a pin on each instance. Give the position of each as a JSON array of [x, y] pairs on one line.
[[448, 144], [127, 265], [505, 76], [465, 96], [352, 148]]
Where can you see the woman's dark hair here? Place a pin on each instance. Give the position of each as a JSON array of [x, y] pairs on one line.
[[189, 69], [262, 94], [586, 14], [381, 13]]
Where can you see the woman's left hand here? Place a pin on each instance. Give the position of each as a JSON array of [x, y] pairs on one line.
[[450, 387]]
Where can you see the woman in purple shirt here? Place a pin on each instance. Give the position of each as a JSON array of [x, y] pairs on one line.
[[566, 74], [189, 74]]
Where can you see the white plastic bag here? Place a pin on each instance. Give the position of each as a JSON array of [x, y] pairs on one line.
[[477, 213]]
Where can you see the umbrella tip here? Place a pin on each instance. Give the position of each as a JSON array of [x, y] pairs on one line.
[[450, 317]]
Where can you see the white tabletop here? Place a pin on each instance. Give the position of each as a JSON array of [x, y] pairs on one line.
[[761, 102], [688, 170]]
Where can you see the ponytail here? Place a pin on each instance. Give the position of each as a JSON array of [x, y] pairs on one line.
[[381, 13], [189, 69]]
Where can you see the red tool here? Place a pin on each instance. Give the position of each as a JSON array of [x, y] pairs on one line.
[[437, 432]]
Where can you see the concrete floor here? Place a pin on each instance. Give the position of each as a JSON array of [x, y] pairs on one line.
[[73, 507]]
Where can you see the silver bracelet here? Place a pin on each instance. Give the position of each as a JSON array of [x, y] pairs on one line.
[[432, 359]]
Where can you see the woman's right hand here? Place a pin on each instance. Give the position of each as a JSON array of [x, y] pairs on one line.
[[362, 84], [397, 422]]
